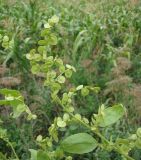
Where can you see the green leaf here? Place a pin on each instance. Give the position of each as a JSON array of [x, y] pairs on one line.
[[0, 37], [70, 67], [79, 143], [70, 109], [53, 39], [29, 56], [45, 32], [41, 49], [5, 38], [138, 132], [62, 69], [35, 68], [110, 115], [7, 92], [138, 143], [55, 87], [61, 123], [2, 156], [84, 92], [61, 79], [3, 133], [66, 117], [47, 25], [79, 87], [68, 158], [33, 154], [68, 73], [41, 155], [39, 138], [18, 110], [14, 99], [54, 19], [38, 155], [78, 116], [43, 42], [4, 102]]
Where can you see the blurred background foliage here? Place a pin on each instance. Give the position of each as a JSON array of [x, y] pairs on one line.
[[102, 39]]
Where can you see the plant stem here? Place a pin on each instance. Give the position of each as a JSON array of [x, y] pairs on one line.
[[14, 152], [83, 123], [94, 131]]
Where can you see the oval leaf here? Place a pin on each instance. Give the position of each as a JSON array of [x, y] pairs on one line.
[[110, 115], [79, 143], [33, 154]]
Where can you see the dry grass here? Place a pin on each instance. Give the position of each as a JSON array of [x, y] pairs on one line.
[[121, 83], [10, 81], [3, 70]]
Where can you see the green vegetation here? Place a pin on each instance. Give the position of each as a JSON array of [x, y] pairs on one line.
[[70, 80]]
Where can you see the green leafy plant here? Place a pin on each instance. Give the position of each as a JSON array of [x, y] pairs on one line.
[[56, 144], [14, 99], [56, 73]]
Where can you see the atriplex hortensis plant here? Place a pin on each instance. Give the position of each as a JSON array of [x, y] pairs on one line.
[[55, 73]]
